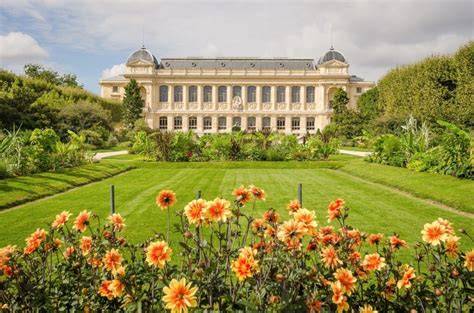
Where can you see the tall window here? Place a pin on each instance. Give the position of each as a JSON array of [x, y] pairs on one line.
[[193, 94], [163, 93], [251, 123], [222, 94], [115, 89], [280, 123], [266, 123], [236, 121], [163, 122], [222, 123], [192, 122], [295, 123], [266, 94], [207, 94], [178, 93], [281, 94], [178, 122], [207, 122], [295, 94], [359, 89], [310, 123], [236, 91], [310, 94], [251, 94]]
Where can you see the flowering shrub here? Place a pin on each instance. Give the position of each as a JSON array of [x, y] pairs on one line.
[[229, 260]]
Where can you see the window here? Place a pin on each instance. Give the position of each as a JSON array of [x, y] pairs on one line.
[[163, 122], [266, 94], [280, 123], [222, 123], [193, 94], [330, 104], [310, 94], [207, 121], [295, 123], [310, 123], [178, 93], [359, 89], [192, 122], [222, 94], [266, 123], [115, 89], [295, 94], [251, 123], [178, 122], [236, 91], [281, 94], [163, 93], [207, 94], [236, 121], [251, 94]]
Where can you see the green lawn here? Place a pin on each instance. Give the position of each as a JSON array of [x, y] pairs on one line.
[[457, 193], [373, 209], [14, 191]]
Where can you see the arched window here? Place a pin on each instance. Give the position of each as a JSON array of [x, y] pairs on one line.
[[295, 123], [310, 123], [266, 123], [178, 122], [281, 123], [236, 121], [163, 122], [251, 123], [295, 94], [310, 94], [237, 91], [281, 97], [222, 123], [222, 94], [266, 94], [251, 94], [193, 94], [163, 93], [192, 122], [207, 94], [207, 122], [178, 93], [143, 93], [331, 93]]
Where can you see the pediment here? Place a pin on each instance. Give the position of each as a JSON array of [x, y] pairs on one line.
[[334, 63], [139, 63]]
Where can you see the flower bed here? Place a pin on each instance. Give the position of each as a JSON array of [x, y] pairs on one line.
[[228, 261]]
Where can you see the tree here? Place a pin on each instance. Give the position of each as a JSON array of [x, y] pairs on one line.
[[367, 104], [132, 103], [83, 115], [340, 101], [37, 71]]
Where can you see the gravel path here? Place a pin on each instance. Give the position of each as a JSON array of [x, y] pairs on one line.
[[101, 155], [356, 153]]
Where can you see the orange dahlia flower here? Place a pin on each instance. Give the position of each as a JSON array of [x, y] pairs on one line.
[[374, 239], [291, 230], [408, 275], [105, 291], [166, 199], [112, 260], [5, 255], [334, 209], [258, 225], [116, 287], [86, 245], [447, 225], [271, 216], [257, 192], [434, 233], [218, 210], [82, 220], [68, 252], [180, 296], [469, 261], [373, 262], [293, 206], [330, 257], [194, 211], [367, 309], [241, 194], [346, 279], [158, 253], [338, 297], [117, 221], [34, 241], [396, 242], [308, 219], [452, 246], [61, 219]]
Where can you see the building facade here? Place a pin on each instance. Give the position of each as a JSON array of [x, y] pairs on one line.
[[212, 95]]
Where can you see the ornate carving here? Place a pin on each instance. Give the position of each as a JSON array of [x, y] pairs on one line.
[[252, 106], [237, 103], [296, 106], [267, 106], [311, 106], [164, 106], [178, 106], [193, 106], [281, 106], [223, 106], [208, 105]]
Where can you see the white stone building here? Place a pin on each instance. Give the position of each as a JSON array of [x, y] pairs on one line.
[[211, 95]]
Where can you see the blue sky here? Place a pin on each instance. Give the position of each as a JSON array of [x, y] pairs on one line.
[[93, 38]]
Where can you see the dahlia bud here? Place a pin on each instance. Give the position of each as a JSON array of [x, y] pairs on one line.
[[188, 235], [438, 292], [454, 273], [273, 300], [199, 272], [279, 278]]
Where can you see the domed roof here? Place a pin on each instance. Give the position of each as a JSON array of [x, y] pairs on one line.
[[142, 54], [332, 55]]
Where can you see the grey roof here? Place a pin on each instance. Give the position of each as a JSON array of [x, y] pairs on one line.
[[354, 78], [332, 55], [237, 63], [142, 54], [117, 78]]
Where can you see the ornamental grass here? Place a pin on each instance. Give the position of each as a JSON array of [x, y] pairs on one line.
[[230, 260]]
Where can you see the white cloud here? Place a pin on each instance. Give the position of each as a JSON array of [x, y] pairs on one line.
[[115, 70], [19, 48]]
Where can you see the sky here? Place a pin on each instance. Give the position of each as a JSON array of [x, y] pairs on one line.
[[93, 38]]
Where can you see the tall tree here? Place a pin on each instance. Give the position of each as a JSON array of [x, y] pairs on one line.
[[39, 72], [132, 103], [340, 102]]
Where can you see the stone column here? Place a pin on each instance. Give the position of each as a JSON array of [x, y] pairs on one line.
[[258, 122], [273, 122], [259, 99], [303, 125], [170, 125], [288, 97], [243, 121], [170, 96], [228, 124], [229, 94], [244, 97]]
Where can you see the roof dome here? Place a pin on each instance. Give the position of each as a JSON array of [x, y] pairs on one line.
[[142, 54], [332, 55]]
